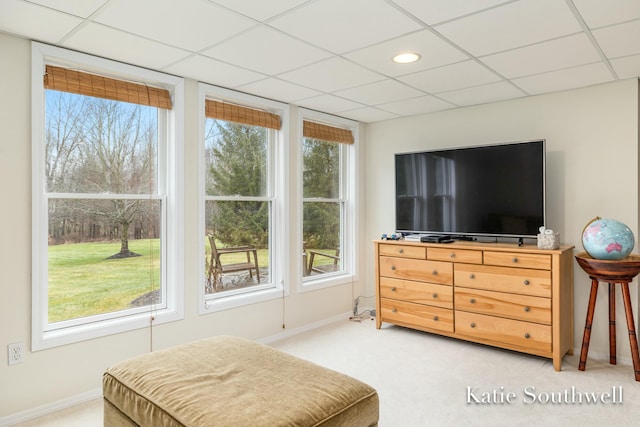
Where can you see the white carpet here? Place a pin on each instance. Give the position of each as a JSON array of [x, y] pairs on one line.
[[423, 379]]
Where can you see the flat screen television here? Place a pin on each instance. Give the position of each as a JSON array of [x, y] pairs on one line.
[[492, 190]]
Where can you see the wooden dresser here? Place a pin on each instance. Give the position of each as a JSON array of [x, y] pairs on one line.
[[515, 297]]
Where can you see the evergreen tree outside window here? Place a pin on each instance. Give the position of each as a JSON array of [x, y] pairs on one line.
[[238, 199], [325, 198]]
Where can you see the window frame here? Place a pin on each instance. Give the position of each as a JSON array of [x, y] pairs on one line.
[[170, 162], [277, 193], [349, 172]]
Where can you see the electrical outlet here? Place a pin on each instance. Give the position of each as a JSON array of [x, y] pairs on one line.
[[16, 353]]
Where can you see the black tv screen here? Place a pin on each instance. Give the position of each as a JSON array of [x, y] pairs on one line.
[[492, 190]]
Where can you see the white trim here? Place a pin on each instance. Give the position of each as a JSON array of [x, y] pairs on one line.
[[173, 246], [278, 187], [227, 302], [49, 408], [306, 328]]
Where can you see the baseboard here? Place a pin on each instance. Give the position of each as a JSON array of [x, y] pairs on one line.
[[309, 327], [604, 357], [49, 408]]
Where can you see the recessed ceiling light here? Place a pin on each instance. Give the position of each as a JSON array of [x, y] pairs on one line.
[[406, 57]]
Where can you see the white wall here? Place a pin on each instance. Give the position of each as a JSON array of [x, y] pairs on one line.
[[50, 376], [592, 138], [592, 170]]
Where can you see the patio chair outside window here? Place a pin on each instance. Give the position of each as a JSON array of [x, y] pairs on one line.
[[217, 264], [321, 267]]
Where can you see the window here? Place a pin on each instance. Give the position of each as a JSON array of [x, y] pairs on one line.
[[327, 198], [104, 206], [241, 198]]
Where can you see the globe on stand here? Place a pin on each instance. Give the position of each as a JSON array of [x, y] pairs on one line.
[[607, 239]]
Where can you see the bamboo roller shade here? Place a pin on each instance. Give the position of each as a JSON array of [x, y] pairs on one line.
[[240, 114], [326, 132], [81, 83]]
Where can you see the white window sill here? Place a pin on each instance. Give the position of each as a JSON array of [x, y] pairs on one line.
[[87, 331]]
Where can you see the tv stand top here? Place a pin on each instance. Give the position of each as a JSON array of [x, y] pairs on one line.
[[497, 246], [449, 238]]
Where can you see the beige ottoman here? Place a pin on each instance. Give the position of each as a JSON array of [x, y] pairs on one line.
[[230, 381]]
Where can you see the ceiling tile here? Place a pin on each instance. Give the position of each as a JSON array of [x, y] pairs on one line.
[[628, 67], [82, 8], [260, 10], [110, 43], [414, 106], [192, 25], [542, 57], [278, 89], [379, 92], [451, 77], [492, 92], [341, 26], [597, 13], [335, 55], [512, 25], [208, 70], [267, 51], [435, 11], [331, 75], [565, 79], [435, 52], [619, 40], [368, 115], [329, 104], [27, 19]]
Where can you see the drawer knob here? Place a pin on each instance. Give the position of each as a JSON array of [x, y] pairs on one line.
[[435, 318], [394, 310], [453, 255], [526, 282], [514, 259], [434, 272], [473, 325], [400, 251], [472, 276], [527, 309], [393, 289], [527, 336], [393, 268], [472, 300], [435, 295]]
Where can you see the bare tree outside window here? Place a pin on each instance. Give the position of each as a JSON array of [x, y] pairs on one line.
[[101, 179]]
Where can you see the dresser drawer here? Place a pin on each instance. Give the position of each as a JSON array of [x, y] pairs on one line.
[[519, 307], [417, 315], [512, 332], [414, 269], [504, 279], [514, 259], [418, 292], [468, 256], [415, 252]]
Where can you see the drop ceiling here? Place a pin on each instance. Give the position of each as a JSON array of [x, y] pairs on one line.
[[335, 55]]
